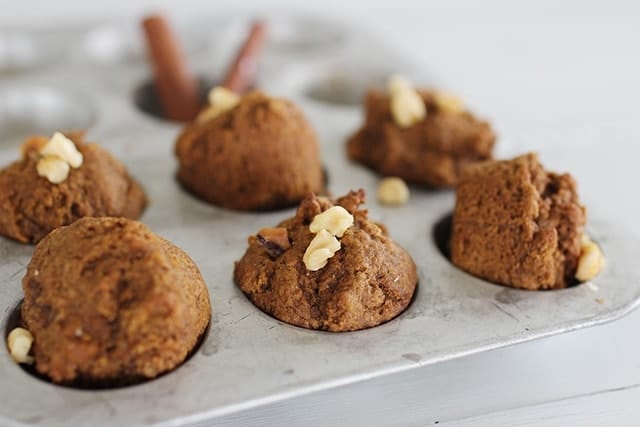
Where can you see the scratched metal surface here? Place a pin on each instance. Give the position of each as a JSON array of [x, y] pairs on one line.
[[248, 358]]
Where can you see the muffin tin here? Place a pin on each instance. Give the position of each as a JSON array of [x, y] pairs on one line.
[[249, 358]]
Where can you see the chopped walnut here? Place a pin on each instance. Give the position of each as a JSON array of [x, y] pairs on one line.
[[322, 247], [221, 99], [274, 240], [448, 103], [53, 168], [19, 342], [407, 106], [62, 147], [393, 191], [591, 260], [336, 220], [57, 156], [399, 83]]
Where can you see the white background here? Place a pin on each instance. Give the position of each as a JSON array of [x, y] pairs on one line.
[[542, 68]]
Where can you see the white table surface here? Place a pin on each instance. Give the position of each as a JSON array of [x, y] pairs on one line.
[[551, 75]]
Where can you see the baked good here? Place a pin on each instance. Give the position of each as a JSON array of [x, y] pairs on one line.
[[518, 225], [430, 149], [110, 303], [313, 280], [254, 153], [31, 205]]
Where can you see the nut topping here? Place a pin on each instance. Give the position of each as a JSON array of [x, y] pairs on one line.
[[19, 342], [336, 220], [591, 260], [62, 147], [393, 191], [322, 247], [448, 103], [221, 100], [407, 106], [57, 156], [53, 168], [275, 240]]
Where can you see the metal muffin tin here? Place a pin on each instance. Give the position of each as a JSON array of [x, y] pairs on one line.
[[249, 358]]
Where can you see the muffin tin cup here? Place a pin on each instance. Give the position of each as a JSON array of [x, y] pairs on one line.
[[249, 358], [14, 320]]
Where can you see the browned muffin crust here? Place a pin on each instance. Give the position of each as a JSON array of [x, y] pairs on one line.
[[109, 302], [518, 225], [260, 155], [432, 152], [369, 281], [31, 206]]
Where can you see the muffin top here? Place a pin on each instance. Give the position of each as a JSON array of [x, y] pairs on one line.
[[333, 279], [517, 224], [432, 149], [258, 154], [109, 302], [31, 205]]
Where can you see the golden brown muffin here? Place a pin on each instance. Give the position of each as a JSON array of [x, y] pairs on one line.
[[369, 281], [516, 224], [110, 303], [432, 152], [260, 155], [31, 206]]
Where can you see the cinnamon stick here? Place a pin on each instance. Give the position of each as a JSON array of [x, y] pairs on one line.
[[176, 87], [242, 72]]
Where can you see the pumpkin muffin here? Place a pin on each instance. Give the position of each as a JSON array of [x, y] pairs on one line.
[[61, 180], [421, 136], [110, 303], [300, 273], [518, 225], [249, 153]]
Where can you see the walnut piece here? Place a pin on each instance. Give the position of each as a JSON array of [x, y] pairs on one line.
[[407, 106], [398, 83], [328, 225], [57, 156], [322, 247], [275, 240], [336, 220], [62, 147], [53, 168], [393, 191], [591, 260], [448, 103], [221, 99], [19, 342]]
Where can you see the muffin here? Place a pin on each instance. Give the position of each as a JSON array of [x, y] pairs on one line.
[[518, 225], [421, 136], [251, 153], [110, 303], [60, 180], [300, 273]]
